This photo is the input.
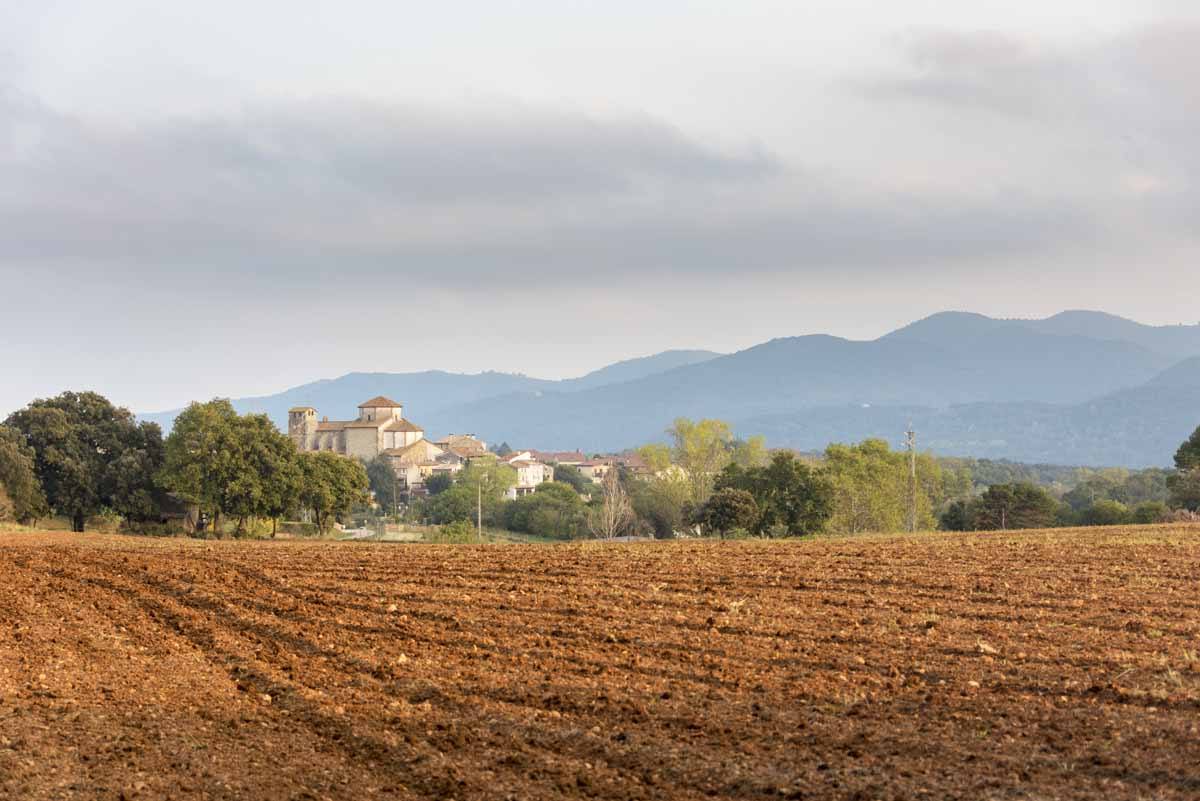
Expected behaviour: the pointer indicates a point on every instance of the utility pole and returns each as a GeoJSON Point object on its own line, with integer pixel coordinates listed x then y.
{"type": "Point", "coordinates": [910, 439]}
{"type": "Point", "coordinates": [479, 510]}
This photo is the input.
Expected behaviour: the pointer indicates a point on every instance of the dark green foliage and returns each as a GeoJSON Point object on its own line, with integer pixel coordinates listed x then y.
{"type": "Point", "coordinates": [382, 479]}
{"type": "Point", "coordinates": [554, 511]}
{"type": "Point", "coordinates": [1014, 506]}
{"type": "Point", "coordinates": [659, 506]}
{"type": "Point", "coordinates": [1188, 455]}
{"type": "Point", "coordinates": [331, 486]}
{"type": "Point", "coordinates": [730, 509]}
{"type": "Point", "coordinates": [90, 455]}
{"type": "Point", "coordinates": [204, 458]}
{"type": "Point", "coordinates": [236, 465]}
{"type": "Point", "coordinates": [959, 516]}
{"type": "Point", "coordinates": [456, 503]}
{"type": "Point", "coordinates": [1151, 512]}
{"type": "Point", "coordinates": [569, 475]}
{"type": "Point", "coordinates": [1121, 486]}
{"type": "Point", "coordinates": [792, 498]}
{"type": "Point", "coordinates": [1185, 490]}
{"type": "Point", "coordinates": [21, 497]}
{"type": "Point", "coordinates": [503, 449]}
{"type": "Point", "coordinates": [438, 483]}
{"type": "Point", "coordinates": [1106, 513]}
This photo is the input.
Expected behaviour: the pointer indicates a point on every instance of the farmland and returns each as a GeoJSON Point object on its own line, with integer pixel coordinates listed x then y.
{"type": "Point", "coordinates": [1034, 665]}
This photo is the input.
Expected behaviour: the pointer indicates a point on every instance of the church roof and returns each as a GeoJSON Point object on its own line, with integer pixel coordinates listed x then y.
{"type": "Point", "coordinates": [380, 402]}
{"type": "Point", "coordinates": [402, 425]}
{"type": "Point", "coordinates": [422, 446]}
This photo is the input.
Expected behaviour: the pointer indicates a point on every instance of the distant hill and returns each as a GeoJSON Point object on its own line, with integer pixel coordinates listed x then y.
{"type": "Point", "coordinates": [1174, 342]}
{"type": "Point", "coordinates": [428, 392]}
{"type": "Point", "coordinates": [633, 369]}
{"type": "Point", "coordinates": [1076, 388]}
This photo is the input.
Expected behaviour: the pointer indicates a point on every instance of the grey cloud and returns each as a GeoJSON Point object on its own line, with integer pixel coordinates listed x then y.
{"type": "Point", "coordinates": [460, 199]}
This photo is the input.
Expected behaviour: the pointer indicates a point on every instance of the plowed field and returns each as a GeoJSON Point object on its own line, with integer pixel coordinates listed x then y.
{"type": "Point", "coordinates": [992, 666]}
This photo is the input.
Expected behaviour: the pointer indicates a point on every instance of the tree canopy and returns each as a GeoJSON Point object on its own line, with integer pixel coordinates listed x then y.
{"type": "Point", "coordinates": [1015, 506]}
{"type": "Point", "coordinates": [792, 498]}
{"type": "Point", "coordinates": [90, 455]}
{"type": "Point", "coordinates": [331, 486]}
{"type": "Point", "coordinates": [1188, 455]}
{"type": "Point", "coordinates": [21, 496]}
{"type": "Point", "coordinates": [701, 449]}
{"type": "Point", "coordinates": [871, 487]}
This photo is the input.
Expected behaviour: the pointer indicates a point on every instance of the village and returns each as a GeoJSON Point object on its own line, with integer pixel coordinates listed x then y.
{"type": "Point", "coordinates": [381, 430]}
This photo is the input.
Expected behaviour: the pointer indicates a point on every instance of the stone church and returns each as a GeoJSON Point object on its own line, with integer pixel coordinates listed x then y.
{"type": "Point", "coordinates": [380, 428]}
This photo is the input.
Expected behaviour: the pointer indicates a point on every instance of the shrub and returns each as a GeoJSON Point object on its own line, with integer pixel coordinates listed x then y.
{"type": "Point", "coordinates": [1107, 513]}
{"type": "Point", "coordinates": [1151, 512]}
{"type": "Point", "coordinates": [460, 531]}
{"type": "Point", "coordinates": [730, 510]}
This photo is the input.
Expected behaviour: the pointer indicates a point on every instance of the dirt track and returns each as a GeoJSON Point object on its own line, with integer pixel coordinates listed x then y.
{"type": "Point", "coordinates": [976, 667]}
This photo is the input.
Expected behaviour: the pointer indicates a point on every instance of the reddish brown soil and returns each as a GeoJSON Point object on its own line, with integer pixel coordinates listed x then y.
{"type": "Point", "coordinates": [1034, 666]}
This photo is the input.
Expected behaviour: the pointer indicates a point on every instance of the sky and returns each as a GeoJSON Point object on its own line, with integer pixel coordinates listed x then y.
{"type": "Point", "coordinates": [239, 197]}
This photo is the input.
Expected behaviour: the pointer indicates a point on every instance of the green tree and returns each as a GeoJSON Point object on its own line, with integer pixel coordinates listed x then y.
{"type": "Point", "coordinates": [204, 458]}
{"type": "Point", "coordinates": [1185, 490]}
{"type": "Point", "coordinates": [1149, 512]}
{"type": "Point", "coordinates": [656, 456]}
{"type": "Point", "coordinates": [331, 485]}
{"type": "Point", "coordinates": [21, 497]}
{"type": "Point", "coordinates": [1107, 513]}
{"type": "Point", "coordinates": [439, 482]}
{"type": "Point", "coordinates": [504, 449]}
{"type": "Point", "coordinates": [1015, 506]}
{"type": "Point", "coordinates": [959, 515]}
{"type": "Point", "coordinates": [268, 483]}
{"type": "Point", "coordinates": [271, 457]}
{"type": "Point", "coordinates": [456, 503]}
{"type": "Point", "coordinates": [230, 464]}
{"type": "Point", "coordinates": [660, 503]}
{"type": "Point", "coordinates": [382, 480]}
{"type": "Point", "coordinates": [570, 476]}
{"type": "Point", "coordinates": [750, 452]}
{"type": "Point", "coordinates": [701, 449]}
{"type": "Point", "coordinates": [480, 486]}
{"type": "Point", "coordinates": [553, 511]}
{"type": "Point", "coordinates": [1188, 455]}
{"type": "Point", "coordinates": [792, 498]}
{"type": "Point", "coordinates": [90, 455]}
{"type": "Point", "coordinates": [729, 509]}
{"type": "Point", "coordinates": [871, 488]}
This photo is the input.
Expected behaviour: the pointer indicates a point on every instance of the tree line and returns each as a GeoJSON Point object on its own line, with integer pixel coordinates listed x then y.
{"type": "Point", "coordinates": [77, 455]}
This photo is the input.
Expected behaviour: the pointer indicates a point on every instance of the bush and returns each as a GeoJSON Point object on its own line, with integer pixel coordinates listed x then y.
{"type": "Point", "coordinates": [1151, 512]}
{"type": "Point", "coordinates": [958, 516]}
{"type": "Point", "coordinates": [438, 483]}
{"type": "Point", "coordinates": [553, 511]}
{"type": "Point", "coordinates": [458, 532]}
{"type": "Point", "coordinates": [730, 510]}
{"type": "Point", "coordinates": [1107, 513]}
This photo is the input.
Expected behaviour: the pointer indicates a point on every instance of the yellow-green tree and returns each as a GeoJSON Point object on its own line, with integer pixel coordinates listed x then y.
{"type": "Point", "coordinates": [701, 449]}
{"type": "Point", "coordinates": [872, 490]}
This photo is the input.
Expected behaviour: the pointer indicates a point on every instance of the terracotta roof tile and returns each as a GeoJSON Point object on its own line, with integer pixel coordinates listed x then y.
{"type": "Point", "coordinates": [380, 402]}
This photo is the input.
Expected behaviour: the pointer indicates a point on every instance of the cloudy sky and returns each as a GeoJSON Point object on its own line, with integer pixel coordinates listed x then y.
{"type": "Point", "coordinates": [245, 196]}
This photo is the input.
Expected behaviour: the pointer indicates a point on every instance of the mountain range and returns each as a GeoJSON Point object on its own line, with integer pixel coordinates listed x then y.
{"type": "Point", "coordinates": [1080, 387]}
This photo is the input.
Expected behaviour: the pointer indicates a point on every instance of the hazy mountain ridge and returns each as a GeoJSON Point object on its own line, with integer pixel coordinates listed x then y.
{"type": "Point", "coordinates": [1039, 390]}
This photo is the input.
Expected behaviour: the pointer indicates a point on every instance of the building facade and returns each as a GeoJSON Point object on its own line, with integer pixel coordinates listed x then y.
{"type": "Point", "coordinates": [380, 427]}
